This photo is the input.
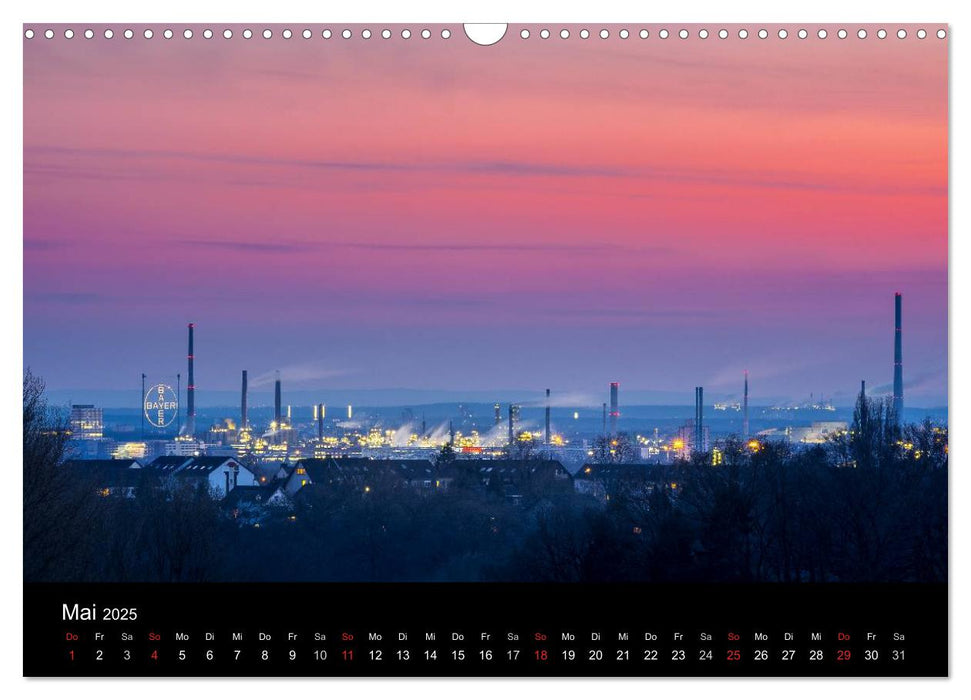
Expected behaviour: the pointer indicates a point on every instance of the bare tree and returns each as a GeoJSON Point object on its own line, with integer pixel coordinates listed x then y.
{"type": "Point", "coordinates": [58, 508]}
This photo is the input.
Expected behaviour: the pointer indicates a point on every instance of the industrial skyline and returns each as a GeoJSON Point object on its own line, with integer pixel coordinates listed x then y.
{"type": "Point", "coordinates": [287, 434]}
{"type": "Point", "coordinates": [658, 226]}
{"type": "Point", "coordinates": [895, 398]}
{"type": "Point", "coordinates": [698, 426]}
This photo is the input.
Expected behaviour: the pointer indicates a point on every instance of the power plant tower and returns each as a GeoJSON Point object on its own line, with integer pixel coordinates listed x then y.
{"type": "Point", "coordinates": [511, 428]}
{"type": "Point", "coordinates": [277, 401]}
{"type": "Point", "coordinates": [243, 418]}
{"type": "Point", "coordinates": [498, 413]}
{"type": "Point", "coordinates": [745, 410]}
{"type": "Point", "coordinates": [320, 422]}
{"type": "Point", "coordinates": [898, 363]}
{"type": "Point", "coordinates": [547, 437]}
{"type": "Point", "coordinates": [699, 419]}
{"type": "Point", "coordinates": [614, 407]}
{"type": "Point", "coordinates": [605, 421]}
{"type": "Point", "coordinates": [190, 416]}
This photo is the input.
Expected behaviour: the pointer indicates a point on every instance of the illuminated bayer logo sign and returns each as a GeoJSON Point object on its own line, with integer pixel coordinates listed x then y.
{"type": "Point", "coordinates": [161, 405]}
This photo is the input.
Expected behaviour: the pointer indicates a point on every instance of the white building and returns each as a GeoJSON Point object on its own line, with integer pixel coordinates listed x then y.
{"type": "Point", "coordinates": [219, 475]}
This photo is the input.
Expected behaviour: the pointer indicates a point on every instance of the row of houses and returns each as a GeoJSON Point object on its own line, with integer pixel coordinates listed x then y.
{"type": "Point", "coordinates": [241, 485]}
{"type": "Point", "coordinates": [123, 477]}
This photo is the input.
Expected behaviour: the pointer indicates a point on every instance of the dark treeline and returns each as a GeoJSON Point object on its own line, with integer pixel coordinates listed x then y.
{"type": "Point", "coordinates": [869, 506]}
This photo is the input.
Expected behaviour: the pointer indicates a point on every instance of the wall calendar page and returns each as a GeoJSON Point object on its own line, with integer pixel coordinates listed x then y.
{"type": "Point", "coordinates": [521, 350]}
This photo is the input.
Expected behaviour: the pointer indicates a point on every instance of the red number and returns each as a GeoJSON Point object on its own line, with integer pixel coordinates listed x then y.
{"type": "Point", "coordinates": [842, 654]}
{"type": "Point", "coordinates": [155, 655]}
{"type": "Point", "coordinates": [541, 655]}
{"type": "Point", "coordinates": [734, 655]}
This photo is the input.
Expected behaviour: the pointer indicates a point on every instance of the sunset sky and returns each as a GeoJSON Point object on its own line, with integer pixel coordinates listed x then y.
{"type": "Point", "coordinates": [434, 214]}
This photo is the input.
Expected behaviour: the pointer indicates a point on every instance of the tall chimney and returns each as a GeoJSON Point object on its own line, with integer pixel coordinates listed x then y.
{"type": "Point", "coordinates": [320, 422]}
{"type": "Point", "coordinates": [745, 410]}
{"type": "Point", "coordinates": [511, 433]}
{"type": "Point", "coordinates": [277, 401]}
{"type": "Point", "coordinates": [605, 420]}
{"type": "Point", "coordinates": [498, 413]}
{"type": "Point", "coordinates": [190, 418]}
{"type": "Point", "coordinates": [898, 363]}
{"type": "Point", "coordinates": [143, 405]}
{"type": "Point", "coordinates": [699, 420]}
{"type": "Point", "coordinates": [864, 413]}
{"type": "Point", "coordinates": [243, 417]}
{"type": "Point", "coordinates": [614, 407]}
{"type": "Point", "coordinates": [547, 416]}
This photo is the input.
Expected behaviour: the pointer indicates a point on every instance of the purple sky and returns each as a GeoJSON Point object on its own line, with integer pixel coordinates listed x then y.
{"type": "Point", "coordinates": [439, 215]}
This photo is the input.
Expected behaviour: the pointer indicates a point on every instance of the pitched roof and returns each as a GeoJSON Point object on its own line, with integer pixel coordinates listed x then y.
{"type": "Point", "coordinates": [107, 472]}
{"type": "Point", "coordinates": [95, 464]}
{"type": "Point", "coordinates": [337, 469]}
{"type": "Point", "coordinates": [203, 466]}
{"type": "Point", "coordinates": [512, 467]}
{"type": "Point", "coordinates": [168, 463]}
{"type": "Point", "coordinates": [269, 472]}
{"type": "Point", "coordinates": [212, 462]}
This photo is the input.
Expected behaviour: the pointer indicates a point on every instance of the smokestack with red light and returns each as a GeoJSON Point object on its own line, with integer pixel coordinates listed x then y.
{"type": "Point", "coordinates": [898, 362]}
{"type": "Point", "coordinates": [190, 418]}
{"type": "Point", "coordinates": [861, 406]}
{"type": "Point", "coordinates": [614, 406]}
{"type": "Point", "coordinates": [277, 401]}
{"type": "Point", "coordinates": [320, 422]}
{"type": "Point", "coordinates": [243, 422]}
{"type": "Point", "coordinates": [547, 416]}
